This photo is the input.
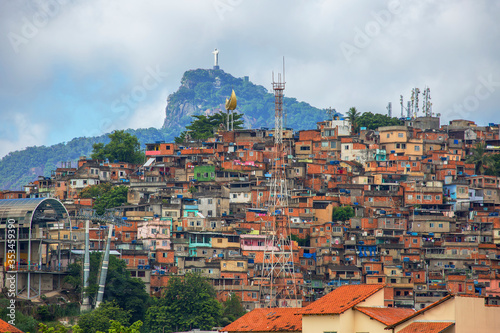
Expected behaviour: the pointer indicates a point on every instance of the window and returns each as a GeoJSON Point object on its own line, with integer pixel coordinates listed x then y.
{"type": "Point", "coordinates": [415, 241]}
{"type": "Point", "coordinates": [427, 197]}
{"type": "Point", "coordinates": [440, 225]}
{"type": "Point", "coordinates": [324, 144]}
{"type": "Point", "coordinates": [305, 148]}
{"type": "Point", "coordinates": [388, 135]}
{"type": "Point", "coordinates": [141, 274]}
{"type": "Point", "coordinates": [401, 135]}
{"type": "Point", "coordinates": [141, 262]}
{"type": "Point", "coordinates": [438, 197]}
{"type": "Point", "coordinates": [419, 197]}
{"type": "Point", "coordinates": [333, 144]}
{"type": "Point", "coordinates": [239, 264]}
{"type": "Point", "coordinates": [410, 196]}
{"type": "Point", "coordinates": [417, 148]}
{"type": "Point", "coordinates": [346, 147]}
{"type": "Point", "coordinates": [431, 225]}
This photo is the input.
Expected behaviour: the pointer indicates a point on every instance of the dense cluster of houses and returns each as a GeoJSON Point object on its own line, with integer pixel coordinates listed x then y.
{"type": "Point", "coordinates": [425, 225]}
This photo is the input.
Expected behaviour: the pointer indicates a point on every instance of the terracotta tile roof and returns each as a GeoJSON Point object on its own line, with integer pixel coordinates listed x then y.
{"type": "Point", "coordinates": [426, 327]}
{"type": "Point", "coordinates": [386, 316]}
{"type": "Point", "coordinates": [6, 327]}
{"type": "Point", "coordinates": [342, 299]}
{"type": "Point", "coordinates": [268, 320]}
{"type": "Point", "coordinates": [442, 300]}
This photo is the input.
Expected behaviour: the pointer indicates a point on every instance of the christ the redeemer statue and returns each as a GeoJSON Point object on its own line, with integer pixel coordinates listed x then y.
{"type": "Point", "coordinates": [216, 59]}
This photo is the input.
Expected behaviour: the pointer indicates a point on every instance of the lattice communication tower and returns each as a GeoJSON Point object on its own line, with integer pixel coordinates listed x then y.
{"type": "Point", "coordinates": [278, 286]}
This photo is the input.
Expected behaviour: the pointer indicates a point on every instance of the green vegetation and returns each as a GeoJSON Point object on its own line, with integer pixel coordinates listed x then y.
{"type": "Point", "coordinates": [23, 322]}
{"type": "Point", "coordinates": [353, 116]}
{"type": "Point", "coordinates": [128, 293]}
{"type": "Point", "coordinates": [480, 158]}
{"type": "Point", "coordinates": [122, 147]}
{"type": "Point", "coordinates": [18, 168]}
{"type": "Point", "coordinates": [200, 89]}
{"type": "Point", "coordinates": [301, 241]}
{"type": "Point", "coordinates": [375, 120]}
{"type": "Point", "coordinates": [343, 213]}
{"type": "Point", "coordinates": [187, 303]}
{"type": "Point", "coordinates": [114, 326]}
{"type": "Point", "coordinates": [232, 309]}
{"type": "Point", "coordinates": [106, 195]}
{"type": "Point", "coordinates": [493, 165]}
{"type": "Point", "coordinates": [100, 318]}
{"type": "Point", "coordinates": [202, 127]}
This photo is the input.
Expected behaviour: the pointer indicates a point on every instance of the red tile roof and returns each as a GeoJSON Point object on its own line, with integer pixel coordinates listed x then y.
{"type": "Point", "coordinates": [433, 305]}
{"type": "Point", "coordinates": [426, 327]}
{"type": "Point", "coordinates": [6, 327]}
{"type": "Point", "coordinates": [268, 320]}
{"type": "Point", "coordinates": [342, 299]}
{"type": "Point", "coordinates": [386, 316]}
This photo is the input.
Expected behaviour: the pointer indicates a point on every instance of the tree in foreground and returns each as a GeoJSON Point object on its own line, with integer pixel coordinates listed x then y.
{"type": "Point", "coordinates": [124, 291]}
{"type": "Point", "coordinates": [232, 309]}
{"type": "Point", "coordinates": [99, 319]}
{"type": "Point", "coordinates": [123, 147]}
{"type": "Point", "coordinates": [187, 303]}
{"type": "Point", "coordinates": [115, 326]}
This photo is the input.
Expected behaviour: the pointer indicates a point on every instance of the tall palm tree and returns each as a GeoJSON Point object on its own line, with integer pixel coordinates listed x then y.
{"type": "Point", "coordinates": [479, 158]}
{"type": "Point", "coordinates": [353, 116]}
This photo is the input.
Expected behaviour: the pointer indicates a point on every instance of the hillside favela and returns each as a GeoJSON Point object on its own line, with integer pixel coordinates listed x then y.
{"type": "Point", "coordinates": [162, 170]}
{"type": "Point", "coordinates": [364, 223]}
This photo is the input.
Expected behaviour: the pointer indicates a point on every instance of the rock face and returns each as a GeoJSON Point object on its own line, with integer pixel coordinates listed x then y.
{"type": "Point", "coordinates": [204, 91]}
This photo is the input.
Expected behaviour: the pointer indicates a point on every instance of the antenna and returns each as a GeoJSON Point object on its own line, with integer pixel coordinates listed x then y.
{"type": "Point", "coordinates": [402, 107]}
{"type": "Point", "coordinates": [389, 110]}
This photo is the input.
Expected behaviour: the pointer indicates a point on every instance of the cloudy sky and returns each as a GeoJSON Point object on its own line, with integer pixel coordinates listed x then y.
{"type": "Point", "coordinates": [73, 68]}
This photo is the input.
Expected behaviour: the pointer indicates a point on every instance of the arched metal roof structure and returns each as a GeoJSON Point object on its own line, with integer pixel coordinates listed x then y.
{"type": "Point", "coordinates": [34, 210]}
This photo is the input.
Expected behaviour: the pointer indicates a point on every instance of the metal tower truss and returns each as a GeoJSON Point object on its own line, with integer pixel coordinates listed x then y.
{"type": "Point", "coordinates": [278, 287]}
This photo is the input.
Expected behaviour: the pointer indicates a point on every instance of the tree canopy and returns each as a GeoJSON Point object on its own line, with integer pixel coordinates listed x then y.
{"type": "Point", "coordinates": [342, 213]}
{"type": "Point", "coordinates": [232, 309]}
{"type": "Point", "coordinates": [480, 158]}
{"type": "Point", "coordinates": [375, 120]}
{"type": "Point", "coordinates": [99, 319]}
{"type": "Point", "coordinates": [353, 116]}
{"type": "Point", "coordinates": [123, 147]}
{"type": "Point", "coordinates": [202, 127]}
{"type": "Point", "coordinates": [128, 293]}
{"type": "Point", "coordinates": [187, 303]}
